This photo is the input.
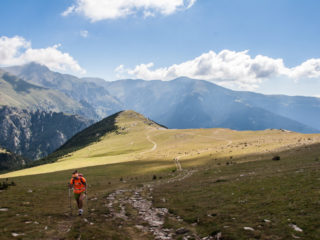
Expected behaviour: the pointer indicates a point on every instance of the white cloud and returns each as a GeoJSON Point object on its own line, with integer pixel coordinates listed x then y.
{"type": "Point", "coordinates": [68, 11]}
{"type": "Point", "coordinates": [228, 68]}
{"type": "Point", "coordinates": [308, 69]}
{"type": "Point", "coordinates": [17, 51]}
{"type": "Point", "coordinates": [84, 33]}
{"type": "Point", "coordinates": [97, 10]}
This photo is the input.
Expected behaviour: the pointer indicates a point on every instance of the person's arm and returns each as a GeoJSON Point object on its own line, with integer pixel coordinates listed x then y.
{"type": "Point", "coordinates": [85, 183]}
{"type": "Point", "coordinates": [71, 183]}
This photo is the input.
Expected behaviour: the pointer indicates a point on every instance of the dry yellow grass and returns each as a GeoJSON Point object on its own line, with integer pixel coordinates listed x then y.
{"type": "Point", "coordinates": [137, 139]}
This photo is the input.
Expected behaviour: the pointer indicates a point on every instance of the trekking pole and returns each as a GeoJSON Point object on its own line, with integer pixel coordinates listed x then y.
{"type": "Point", "coordinates": [87, 198]}
{"type": "Point", "coordinates": [70, 205]}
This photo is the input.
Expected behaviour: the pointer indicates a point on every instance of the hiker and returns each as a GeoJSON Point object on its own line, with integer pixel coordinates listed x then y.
{"type": "Point", "coordinates": [79, 185]}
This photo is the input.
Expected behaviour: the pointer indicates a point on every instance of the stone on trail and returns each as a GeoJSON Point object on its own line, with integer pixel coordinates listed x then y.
{"type": "Point", "coordinates": [296, 228]}
{"type": "Point", "coordinates": [17, 234]}
{"type": "Point", "coordinates": [182, 231]}
{"type": "Point", "coordinates": [248, 228]}
{"type": "Point", "coordinates": [140, 227]}
{"type": "Point", "coordinates": [266, 220]}
{"type": "Point", "coordinates": [4, 209]}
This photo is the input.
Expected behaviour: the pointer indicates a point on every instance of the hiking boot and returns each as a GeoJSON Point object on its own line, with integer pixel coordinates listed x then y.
{"type": "Point", "coordinates": [80, 212]}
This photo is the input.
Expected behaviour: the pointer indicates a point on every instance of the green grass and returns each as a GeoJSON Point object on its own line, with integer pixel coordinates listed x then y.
{"type": "Point", "coordinates": [227, 198]}
{"type": "Point", "coordinates": [236, 183]}
{"type": "Point", "coordinates": [48, 202]}
{"type": "Point", "coordinates": [235, 195]}
{"type": "Point", "coordinates": [123, 137]}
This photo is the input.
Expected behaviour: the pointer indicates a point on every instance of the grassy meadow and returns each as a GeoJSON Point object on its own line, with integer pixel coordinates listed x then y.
{"type": "Point", "coordinates": [233, 183]}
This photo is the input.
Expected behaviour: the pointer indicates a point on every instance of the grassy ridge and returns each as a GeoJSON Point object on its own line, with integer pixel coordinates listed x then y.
{"type": "Point", "coordinates": [235, 183]}
{"type": "Point", "coordinates": [128, 136]}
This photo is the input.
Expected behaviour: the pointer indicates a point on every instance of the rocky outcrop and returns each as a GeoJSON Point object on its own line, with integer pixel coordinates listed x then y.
{"type": "Point", "coordinates": [36, 134]}
{"type": "Point", "coordinates": [9, 160]}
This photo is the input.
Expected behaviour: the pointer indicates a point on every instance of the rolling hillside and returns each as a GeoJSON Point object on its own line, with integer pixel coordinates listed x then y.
{"type": "Point", "coordinates": [149, 182]}
{"type": "Point", "coordinates": [129, 136]}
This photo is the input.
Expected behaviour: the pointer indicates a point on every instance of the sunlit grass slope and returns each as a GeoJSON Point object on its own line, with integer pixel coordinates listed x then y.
{"type": "Point", "coordinates": [129, 136]}
{"type": "Point", "coordinates": [233, 183]}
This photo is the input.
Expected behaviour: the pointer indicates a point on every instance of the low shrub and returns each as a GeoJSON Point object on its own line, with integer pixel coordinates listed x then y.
{"type": "Point", "coordinates": [276, 158]}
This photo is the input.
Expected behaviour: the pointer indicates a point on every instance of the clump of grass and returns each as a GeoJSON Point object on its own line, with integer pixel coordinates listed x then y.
{"type": "Point", "coordinates": [5, 185]}
{"type": "Point", "coordinates": [276, 158]}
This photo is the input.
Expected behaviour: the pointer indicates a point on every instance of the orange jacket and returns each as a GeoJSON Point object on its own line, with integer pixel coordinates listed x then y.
{"type": "Point", "coordinates": [78, 184]}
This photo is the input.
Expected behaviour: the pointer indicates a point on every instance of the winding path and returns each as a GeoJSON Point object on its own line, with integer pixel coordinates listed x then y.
{"type": "Point", "coordinates": [154, 147]}
{"type": "Point", "coordinates": [177, 162]}
{"type": "Point", "coordinates": [154, 144]}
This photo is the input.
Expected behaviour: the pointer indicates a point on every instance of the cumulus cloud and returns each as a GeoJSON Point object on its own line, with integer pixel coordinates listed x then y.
{"type": "Point", "coordinates": [308, 69]}
{"type": "Point", "coordinates": [17, 51]}
{"type": "Point", "coordinates": [84, 33]}
{"type": "Point", "coordinates": [97, 10]}
{"type": "Point", "coordinates": [228, 68]}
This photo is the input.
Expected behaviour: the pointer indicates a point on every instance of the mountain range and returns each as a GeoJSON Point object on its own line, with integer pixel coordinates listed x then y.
{"type": "Point", "coordinates": [89, 94]}
{"type": "Point", "coordinates": [180, 103]}
{"type": "Point", "coordinates": [16, 92]}
{"type": "Point", "coordinates": [189, 103]}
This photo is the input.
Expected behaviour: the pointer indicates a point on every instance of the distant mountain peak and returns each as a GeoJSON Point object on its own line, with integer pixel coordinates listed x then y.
{"type": "Point", "coordinates": [34, 66]}
{"type": "Point", "coordinates": [183, 78]}
{"type": "Point", "coordinates": [121, 122]}
{"type": "Point", "coordinates": [126, 116]}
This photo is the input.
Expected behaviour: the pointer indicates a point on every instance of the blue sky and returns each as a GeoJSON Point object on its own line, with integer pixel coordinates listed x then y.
{"type": "Point", "coordinates": [206, 39]}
